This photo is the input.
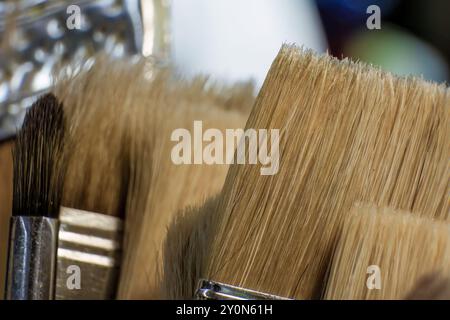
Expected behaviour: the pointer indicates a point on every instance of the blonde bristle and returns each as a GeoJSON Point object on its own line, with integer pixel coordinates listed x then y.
{"type": "Point", "coordinates": [98, 106]}
{"type": "Point", "coordinates": [164, 187]}
{"type": "Point", "coordinates": [348, 132]}
{"type": "Point", "coordinates": [121, 116]}
{"type": "Point", "coordinates": [402, 247]}
{"type": "Point", "coordinates": [185, 249]}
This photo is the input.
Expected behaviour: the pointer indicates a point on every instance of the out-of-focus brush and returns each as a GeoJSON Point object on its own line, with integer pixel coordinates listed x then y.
{"type": "Point", "coordinates": [186, 248]}
{"type": "Point", "coordinates": [37, 190]}
{"type": "Point", "coordinates": [122, 115]}
{"type": "Point", "coordinates": [162, 187]}
{"type": "Point", "coordinates": [89, 249]}
{"type": "Point", "coordinates": [96, 184]}
{"type": "Point", "coordinates": [382, 253]}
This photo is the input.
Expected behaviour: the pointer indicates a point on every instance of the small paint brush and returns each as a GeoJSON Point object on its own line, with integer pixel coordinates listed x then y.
{"type": "Point", "coordinates": [37, 189]}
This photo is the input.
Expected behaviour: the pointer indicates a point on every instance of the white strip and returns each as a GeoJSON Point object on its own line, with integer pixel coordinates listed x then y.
{"type": "Point", "coordinates": [89, 241]}
{"type": "Point", "coordinates": [86, 219]}
{"type": "Point", "coordinates": [86, 257]}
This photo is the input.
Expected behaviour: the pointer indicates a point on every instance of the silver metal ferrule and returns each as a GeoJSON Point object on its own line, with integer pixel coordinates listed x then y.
{"type": "Point", "coordinates": [89, 251]}
{"type": "Point", "coordinates": [210, 290]}
{"type": "Point", "coordinates": [31, 258]}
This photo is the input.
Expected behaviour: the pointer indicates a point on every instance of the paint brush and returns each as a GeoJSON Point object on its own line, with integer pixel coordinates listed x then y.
{"type": "Point", "coordinates": [185, 249]}
{"type": "Point", "coordinates": [37, 189]}
{"type": "Point", "coordinates": [161, 185]}
{"type": "Point", "coordinates": [348, 132]}
{"type": "Point", "coordinates": [96, 184]}
{"type": "Point", "coordinates": [122, 116]}
{"type": "Point", "coordinates": [382, 253]}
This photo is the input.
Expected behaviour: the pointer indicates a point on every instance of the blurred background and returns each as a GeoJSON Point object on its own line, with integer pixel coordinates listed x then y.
{"type": "Point", "coordinates": [414, 37]}
{"type": "Point", "coordinates": [232, 37]}
{"type": "Point", "coordinates": [230, 40]}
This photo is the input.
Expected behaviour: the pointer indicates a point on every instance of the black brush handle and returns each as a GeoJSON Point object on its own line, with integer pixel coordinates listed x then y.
{"type": "Point", "coordinates": [32, 258]}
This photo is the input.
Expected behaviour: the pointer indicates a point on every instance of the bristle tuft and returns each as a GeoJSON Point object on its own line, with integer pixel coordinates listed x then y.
{"type": "Point", "coordinates": [121, 120]}
{"type": "Point", "coordinates": [185, 249]}
{"type": "Point", "coordinates": [348, 132]}
{"type": "Point", "coordinates": [38, 163]}
{"type": "Point", "coordinates": [395, 247]}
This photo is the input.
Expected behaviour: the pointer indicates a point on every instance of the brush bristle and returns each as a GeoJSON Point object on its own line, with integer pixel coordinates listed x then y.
{"type": "Point", "coordinates": [348, 132]}
{"type": "Point", "coordinates": [38, 162]}
{"type": "Point", "coordinates": [185, 249]}
{"type": "Point", "coordinates": [162, 187]}
{"type": "Point", "coordinates": [401, 246]}
{"type": "Point", "coordinates": [120, 161]}
{"type": "Point", "coordinates": [97, 116]}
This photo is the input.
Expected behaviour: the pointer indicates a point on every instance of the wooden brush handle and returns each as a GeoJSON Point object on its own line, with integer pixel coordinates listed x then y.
{"type": "Point", "coordinates": [5, 205]}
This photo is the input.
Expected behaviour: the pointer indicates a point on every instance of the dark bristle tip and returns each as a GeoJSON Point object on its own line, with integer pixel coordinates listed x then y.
{"type": "Point", "coordinates": [38, 159]}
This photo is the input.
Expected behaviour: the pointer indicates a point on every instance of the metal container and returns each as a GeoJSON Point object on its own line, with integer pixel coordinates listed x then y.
{"type": "Point", "coordinates": [39, 37]}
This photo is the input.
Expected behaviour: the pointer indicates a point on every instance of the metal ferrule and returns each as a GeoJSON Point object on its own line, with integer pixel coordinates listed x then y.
{"type": "Point", "coordinates": [210, 290]}
{"type": "Point", "coordinates": [32, 258]}
{"type": "Point", "coordinates": [89, 252]}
